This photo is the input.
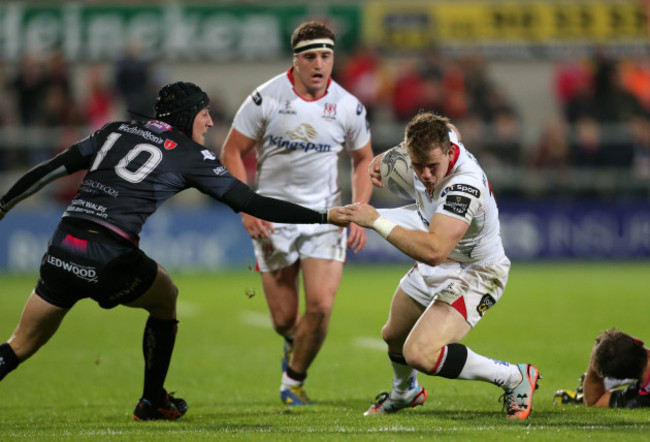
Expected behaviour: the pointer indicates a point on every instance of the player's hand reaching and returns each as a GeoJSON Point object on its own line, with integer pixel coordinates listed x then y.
{"type": "Point", "coordinates": [375, 172]}
{"type": "Point", "coordinates": [359, 213]}
{"type": "Point", "coordinates": [334, 217]}
{"type": "Point", "coordinates": [257, 228]}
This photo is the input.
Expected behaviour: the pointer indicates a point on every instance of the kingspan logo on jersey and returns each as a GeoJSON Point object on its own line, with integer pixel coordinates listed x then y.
{"type": "Point", "coordinates": [299, 139]}
{"type": "Point", "coordinates": [83, 272]}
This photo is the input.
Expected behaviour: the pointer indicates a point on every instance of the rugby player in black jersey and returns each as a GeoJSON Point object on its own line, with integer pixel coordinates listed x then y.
{"type": "Point", "coordinates": [132, 168]}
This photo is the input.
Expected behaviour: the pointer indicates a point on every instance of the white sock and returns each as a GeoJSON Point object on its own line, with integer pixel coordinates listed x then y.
{"type": "Point", "coordinates": [480, 368]}
{"type": "Point", "coordinates": [288, 382]}
{"type": "Point", "coordinates": [405, 380]}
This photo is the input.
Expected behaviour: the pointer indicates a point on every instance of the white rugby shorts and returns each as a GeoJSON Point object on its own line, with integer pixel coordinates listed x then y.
{"type": "Point", "coordinates": [470, 288]}
{"type": "Point", "coordinates": [291, 242]}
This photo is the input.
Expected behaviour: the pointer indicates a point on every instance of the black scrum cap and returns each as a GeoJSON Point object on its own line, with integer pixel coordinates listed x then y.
{"type": "Point", "coordinates": [178, 103]}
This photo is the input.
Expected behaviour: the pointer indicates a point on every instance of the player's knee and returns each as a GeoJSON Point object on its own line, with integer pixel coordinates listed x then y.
{"type": "Point", "coordinates": [394, 338]}
{"type": "Point", "coordinates": [172, 296]}
{"type": "Point", "coordinates": [420, 356]}
{"type": "Point", "coordinates": [284, 325]}
{"type": "Point", "coordinates": [318, 312]}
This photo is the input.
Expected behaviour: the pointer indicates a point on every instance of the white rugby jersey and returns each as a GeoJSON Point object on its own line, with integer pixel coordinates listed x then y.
{"type": "Point", "coordinates": [299, 141]}
{"type": "Point", "coordinates": [465, 194]}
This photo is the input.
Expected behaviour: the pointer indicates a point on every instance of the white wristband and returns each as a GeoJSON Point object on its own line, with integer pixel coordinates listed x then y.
{"type": "Point", "coordinates": [383, 226]}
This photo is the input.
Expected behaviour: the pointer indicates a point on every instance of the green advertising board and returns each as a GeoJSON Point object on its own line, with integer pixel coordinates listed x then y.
{"type": "Point", "coordinates": [171, 31]}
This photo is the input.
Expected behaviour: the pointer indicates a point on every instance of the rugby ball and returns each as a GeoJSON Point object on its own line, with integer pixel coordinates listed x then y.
{"type": "Point", "coordinates": [396, 172]}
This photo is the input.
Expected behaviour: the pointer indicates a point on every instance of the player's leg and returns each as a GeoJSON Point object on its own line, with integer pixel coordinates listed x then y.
{"type": "Point", "coordinates": [406, 391]}
{"type": "Point", "coordinates": [433, 346]}
{"type": "Point", "coordinates": [38, 322]}
{"type": "Point", "coordinates": [321, 278]}
{"type": "Point", "coordinates": [281, 291]}
{"type": "Point", "coordinates": [322, 253]}
{"type": "Point", "coordinates": [157, 348]}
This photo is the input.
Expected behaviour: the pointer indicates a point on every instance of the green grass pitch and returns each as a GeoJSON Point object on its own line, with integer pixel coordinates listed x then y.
{"type": "Point", "coordinates": [84, 383]}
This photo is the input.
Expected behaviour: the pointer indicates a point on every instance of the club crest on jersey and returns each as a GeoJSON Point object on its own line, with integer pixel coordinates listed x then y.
{"type": "Point", "coordinates": [169, 144]}
{"type": "Point", "coordinates": [207, 155]}
{"type": "Point", "coordinates": [288, 110]}
{"type": "Point", "coordinates": [329, 111]}
{"type": "Point", "coordinates": [487, 301]}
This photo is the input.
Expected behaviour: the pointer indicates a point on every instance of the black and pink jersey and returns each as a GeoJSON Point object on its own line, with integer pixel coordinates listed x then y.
{"type": "Point", "coordinates": [133, 167]}
{"type": "Point", "coordinates": [634, 396]}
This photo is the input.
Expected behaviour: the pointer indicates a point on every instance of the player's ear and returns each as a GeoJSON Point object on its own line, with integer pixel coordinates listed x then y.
{"type": "Point", "coordinates": [452, 150]}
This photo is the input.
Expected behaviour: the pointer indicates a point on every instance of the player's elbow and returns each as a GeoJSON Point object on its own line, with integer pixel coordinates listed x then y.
{"type": "Point", "coordinates": [594, 400]}
{"type": "Point", "coordinates": [433, 258]}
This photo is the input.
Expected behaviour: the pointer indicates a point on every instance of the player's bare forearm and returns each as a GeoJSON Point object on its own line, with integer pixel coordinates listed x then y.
{"type": "Point", "coordinates": [595, 393]}
{"type": "Point", "coordinates": [374, 171]}
{"type": "Point", "coordinates": [432, 247]}
{"type": "Point", "coordinates": [233, 151]}
{"type": "Point", "coordinates": [361, 184]}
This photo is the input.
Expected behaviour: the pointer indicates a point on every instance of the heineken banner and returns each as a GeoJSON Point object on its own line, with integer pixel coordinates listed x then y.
{"type": "Point", "coordinates": [169, 31]}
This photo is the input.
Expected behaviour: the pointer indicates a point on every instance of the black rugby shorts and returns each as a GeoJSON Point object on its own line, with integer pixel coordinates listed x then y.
{"type": "Point", "coordinates": [82, 263]}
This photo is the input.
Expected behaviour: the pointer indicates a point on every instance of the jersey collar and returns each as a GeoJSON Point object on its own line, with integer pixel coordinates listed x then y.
{"type": "Point", "coordinates": [453, 161]}
{"type": "Point", "coordinates": [290, 77]}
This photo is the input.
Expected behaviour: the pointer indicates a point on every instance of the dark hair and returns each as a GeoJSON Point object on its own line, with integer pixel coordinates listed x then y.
{"type": "Point", "coordinates": [311, 30]}
{"type": "Point", "coordinates": [178, 103]}
{"type": "Point", "coordinates": [427, 131]}
{"type": "Point", "coordinates": [618, 355]}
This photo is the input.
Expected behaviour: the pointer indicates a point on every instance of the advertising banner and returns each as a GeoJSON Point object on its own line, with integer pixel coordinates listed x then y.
{"type": "Point", "coordinates": [213, 238]}
{"type": "Point", "coordinates": [507, 27]}
{"type": "Point", "coordinates": [170, 31]}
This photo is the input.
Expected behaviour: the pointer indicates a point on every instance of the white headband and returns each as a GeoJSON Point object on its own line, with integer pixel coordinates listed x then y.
{"type": "Point", "coordinates": [317, 44]}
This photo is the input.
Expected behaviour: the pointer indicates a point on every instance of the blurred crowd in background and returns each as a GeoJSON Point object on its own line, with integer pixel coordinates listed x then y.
{"type": "Point", "coordinates": [604, 103]}
{"type": "Point", "coordinates": [603, 122]}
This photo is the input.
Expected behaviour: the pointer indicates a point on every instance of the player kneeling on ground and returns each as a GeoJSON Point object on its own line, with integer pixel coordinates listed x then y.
{"type": "Point", "coordinates": [132, 168]}
{"type": "Point", "coordinates": [452, 231]}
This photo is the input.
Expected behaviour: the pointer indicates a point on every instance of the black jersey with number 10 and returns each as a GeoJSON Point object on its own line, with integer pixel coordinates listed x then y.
{"type": "Point", "coordinates": [133, 167]}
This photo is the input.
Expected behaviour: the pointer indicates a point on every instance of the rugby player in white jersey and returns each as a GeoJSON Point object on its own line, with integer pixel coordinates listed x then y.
{"type": "Point", "coordinates": [299, 123]}
{"type": "Point", "coordinates": [452, 231]}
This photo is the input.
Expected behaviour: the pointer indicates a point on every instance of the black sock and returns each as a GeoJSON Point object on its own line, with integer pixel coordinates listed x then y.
{"type": "Point", "coordinates": [8, 360]}
{"type": "Point", "coordinates": [157, 346]}
{"type": "Point", "coordinates": [300, 377]}
{"type": "Point", "coordinates": [454, 362]}
{"type": "Point", "coordinates": [399, 359]}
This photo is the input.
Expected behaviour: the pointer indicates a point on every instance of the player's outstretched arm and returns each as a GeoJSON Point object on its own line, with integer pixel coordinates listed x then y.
{"type": "Point", "coordinates": [241, 198]}
{"type": "Point", "coordinates": [35, 179]}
